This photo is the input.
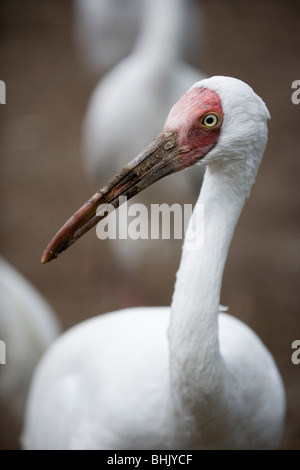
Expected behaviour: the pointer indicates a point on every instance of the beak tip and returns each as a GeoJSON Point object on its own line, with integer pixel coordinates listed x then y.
{"type": "Point", "coordinates": [44, 259]}
{"type": "Point", "coordinates": [47, 257]}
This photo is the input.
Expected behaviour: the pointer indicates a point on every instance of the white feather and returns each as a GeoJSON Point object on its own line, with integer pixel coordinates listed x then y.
{"type": "Point", "coordinates": [105, 30]}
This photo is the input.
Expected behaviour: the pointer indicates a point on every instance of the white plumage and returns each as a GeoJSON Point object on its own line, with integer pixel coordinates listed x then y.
{"type": "Point", "coordinates": [28, 326]}
{"type": "Point", "coordinates": [188, 376]}
{"type": "Point", "coordinates": [105, 30]}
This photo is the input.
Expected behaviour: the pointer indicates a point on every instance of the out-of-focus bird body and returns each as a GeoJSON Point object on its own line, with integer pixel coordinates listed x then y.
{"type": "Point", "coordinates": [151, 78]}
{"type": "Point", "coordinates": [28, 326]}
{"type": "Point", "coordinates": [105, 31]}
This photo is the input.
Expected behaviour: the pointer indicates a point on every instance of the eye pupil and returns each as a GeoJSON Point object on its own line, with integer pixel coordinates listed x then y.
{"type": "Point", "coordinates": [210, 120]}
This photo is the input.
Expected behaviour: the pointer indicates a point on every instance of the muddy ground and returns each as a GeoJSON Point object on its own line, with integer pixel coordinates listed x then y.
{"type": "Point", "coordinates": [42, 181]}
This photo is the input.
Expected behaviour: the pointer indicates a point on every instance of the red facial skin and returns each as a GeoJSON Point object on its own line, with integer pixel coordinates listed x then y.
{"type": "Point", "coordinates": [186, 117]}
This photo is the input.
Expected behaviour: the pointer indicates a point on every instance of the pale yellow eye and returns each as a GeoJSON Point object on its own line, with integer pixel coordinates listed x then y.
{"type": "Point", "coordinates": [210, 120]}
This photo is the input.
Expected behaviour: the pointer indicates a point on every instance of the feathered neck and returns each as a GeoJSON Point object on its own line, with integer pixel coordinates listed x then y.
{"type": "Point", "coordinates": [195, 360]}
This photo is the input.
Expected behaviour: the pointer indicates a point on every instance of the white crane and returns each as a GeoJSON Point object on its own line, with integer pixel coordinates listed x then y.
{"type": "Point", "coordinates": [28, 326]}
{"type": "Point", "coordinates": [151, 78]}
{"type": "Point", "coordinates": [179, 377]}
{"type": "Point", "coordinates": [105, 31]}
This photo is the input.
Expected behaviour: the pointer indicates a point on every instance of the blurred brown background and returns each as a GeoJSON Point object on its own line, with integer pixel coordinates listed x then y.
{"type": "Point", "coordinates": [42, 181]}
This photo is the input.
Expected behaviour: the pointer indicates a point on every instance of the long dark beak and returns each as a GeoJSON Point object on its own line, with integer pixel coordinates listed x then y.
{"type": "Point", "coordinates": [161, 158]}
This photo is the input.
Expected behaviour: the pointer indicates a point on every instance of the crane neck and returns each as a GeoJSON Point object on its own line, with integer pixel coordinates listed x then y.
{"type": "Point", "coordinates": [161, 30]}
{"type": "Point", "coordinates": [195, 360]}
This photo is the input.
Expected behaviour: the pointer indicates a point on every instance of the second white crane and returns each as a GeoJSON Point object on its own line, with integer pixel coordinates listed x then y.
{"type": "Point", "coordinates": [135, 98]}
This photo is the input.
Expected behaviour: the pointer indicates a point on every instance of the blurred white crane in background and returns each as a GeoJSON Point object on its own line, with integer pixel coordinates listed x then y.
{"type": "Point", "coordinates": [28, 325]}
{"type": "Point", "coordinates": [105, 31]}
{"type": "Point", "coordinates": [127, 109]}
